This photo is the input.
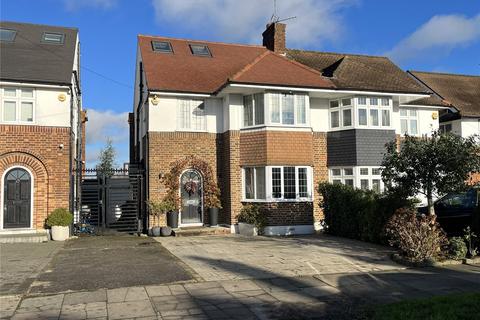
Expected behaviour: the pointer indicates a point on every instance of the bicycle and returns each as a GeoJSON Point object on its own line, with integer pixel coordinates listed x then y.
{"type": "Point", "coordinates": [84, 226]}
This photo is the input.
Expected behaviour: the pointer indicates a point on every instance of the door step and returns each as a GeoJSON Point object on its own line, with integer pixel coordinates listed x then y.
{"type": "Point", "coordinates": [34, 237]}
{"type": "Point", "coordinates": [200, 231]}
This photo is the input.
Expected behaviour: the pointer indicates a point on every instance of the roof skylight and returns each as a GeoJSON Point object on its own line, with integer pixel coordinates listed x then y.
{"type": "Point", "coordinates": [162, 46]}
{"type": "Point", "coordinates": [7, 34]}
{"type": "Point", "coordinates": [200, 50]}
{"type": "Point", "coordinates": [54, 38]}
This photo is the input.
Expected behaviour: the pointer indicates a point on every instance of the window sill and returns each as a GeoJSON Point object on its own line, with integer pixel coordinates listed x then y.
{"type": "Point", "coordinates": [276, 126]}
{"type": "Point", "coordinates": [276, 200]}
{"type": "Point", "coordinates": [27, 123]}
{"type": "Point", "coordinates": [191, 130]}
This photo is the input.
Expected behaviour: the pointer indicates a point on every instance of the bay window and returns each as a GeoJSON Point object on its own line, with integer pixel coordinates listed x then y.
{"type": "Point", "coordinates": [254, 183]}
{"type": "Point", "coordinates": [365, 178]}
{"type": "Point", "coordinates": [253, 110]}
{"type": "Point", "coordinates": [275, 109]}
{"type": "Point", "coordinates": [360, 112]}
{"type": "Point", "coordinates": [277, 183]}
{"type": "Point", "coordinates": [17, 105]}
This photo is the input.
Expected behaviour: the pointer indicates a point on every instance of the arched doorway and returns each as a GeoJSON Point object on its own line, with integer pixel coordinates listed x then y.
{"type": "Point", "coordinates": [191, 193]}
{"type": "Point", "coordinates": [17, 199]}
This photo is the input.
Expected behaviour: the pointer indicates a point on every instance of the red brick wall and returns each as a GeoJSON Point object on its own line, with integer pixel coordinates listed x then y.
{"type": "Point", "coordinates": [37, 148]}
{"type": "Point", "coordinates": [226, 153]}
{"type": "Point", "coordinates": [166, 147]}
{"type": "Point", "coordinates": [276, 148]}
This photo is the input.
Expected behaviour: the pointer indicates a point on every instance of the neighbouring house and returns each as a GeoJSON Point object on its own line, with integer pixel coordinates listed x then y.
{"type": "Point", "coordinates": [461, 93]}
{"type": "Point", "coordinates": [42, 126]}
{"type": "Point", "coordinates": [270, 122]}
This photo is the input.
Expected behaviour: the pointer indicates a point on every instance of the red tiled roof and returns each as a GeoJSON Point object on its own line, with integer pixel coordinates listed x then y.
{"type": "Point", "coordinates": [184, 72]}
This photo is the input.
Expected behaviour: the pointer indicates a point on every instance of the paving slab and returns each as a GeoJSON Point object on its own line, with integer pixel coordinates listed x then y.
{"type": "Point", "coordinates": [130, 309]}
{"type": "Point", "coordinates": [234, 257]}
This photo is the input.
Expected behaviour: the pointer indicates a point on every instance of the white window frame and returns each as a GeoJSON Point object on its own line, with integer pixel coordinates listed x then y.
{"type": "Point", "coordinates": [268, 98]}
{"type": "Point", "coordinates": [408, 118]}
{"type": "Point", "coordinates": [254, 108]}
{"type": "Point", "coordinates": [357, 176]}
{"type": "Point", "coordinates": [192, 106]}
{"type": "Point", "coordinates": [244, 194]}
{"type": "Point", "coordinates": [355, 108]}
{"type": "Point", "coordinates": [269, 186]}
{"type": "Point", "coordinates": [18, 99]}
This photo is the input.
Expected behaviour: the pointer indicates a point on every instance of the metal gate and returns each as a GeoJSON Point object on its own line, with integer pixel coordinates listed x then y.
{"type": "Point", "coordinates": [112, 201]}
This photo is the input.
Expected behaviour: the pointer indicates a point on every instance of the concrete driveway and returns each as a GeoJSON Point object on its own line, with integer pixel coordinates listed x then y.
{"type": "Point", "coordinates": [235, 257]}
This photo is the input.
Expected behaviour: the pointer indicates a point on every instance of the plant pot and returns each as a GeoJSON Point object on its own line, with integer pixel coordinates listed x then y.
{"type": "Point", "coordinates": [246, 229]}
{"type": "Point", "coordinates": [60, 233]}
{"type": "Point", "coordinates": [166, 231]}
{"type": "Point", "coordinates": [172, 219]}
{"type": "Point", "coordinates": [156, 231]}
{"type": "Point", "coordinates": [213, 216]}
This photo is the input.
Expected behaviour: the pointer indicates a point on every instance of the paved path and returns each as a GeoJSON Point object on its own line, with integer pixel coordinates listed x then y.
{"type": "Point", "coordinates": [236, 257]}
{"type": "Point", "coordinates": [332, 296]}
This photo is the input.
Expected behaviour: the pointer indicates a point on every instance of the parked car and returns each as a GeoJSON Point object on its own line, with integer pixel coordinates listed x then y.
{"type": "Point", "coordinates": [456, 211]}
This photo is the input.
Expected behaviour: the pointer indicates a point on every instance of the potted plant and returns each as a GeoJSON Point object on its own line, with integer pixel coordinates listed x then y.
{"type": "Point", "coordinates": [157, 209]}
{"type": "Point", "coordinates": [251, 220]}
{"type": "Point", "coordinates": [59, 221]}
{"type": "Point", "coordinates": [212, 202]}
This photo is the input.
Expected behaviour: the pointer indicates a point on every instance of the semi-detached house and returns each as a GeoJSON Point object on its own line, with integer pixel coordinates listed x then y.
{"type": "Point", "coordinates": [271, 123]}
{"type": "Point", "coordinates": [41, 124]}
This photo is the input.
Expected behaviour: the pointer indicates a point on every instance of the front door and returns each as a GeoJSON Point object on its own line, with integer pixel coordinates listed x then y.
{"type": "Point", "coordinates": [17, 199]}
{"type": "Point", "coordinates": [191, 196]}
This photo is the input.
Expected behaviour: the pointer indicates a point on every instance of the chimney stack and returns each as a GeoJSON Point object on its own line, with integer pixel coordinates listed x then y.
{"type": "Point", "coordinates": [274, 37]}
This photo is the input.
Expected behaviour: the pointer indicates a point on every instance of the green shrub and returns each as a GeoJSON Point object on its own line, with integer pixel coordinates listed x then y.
{"type": "Point", "coordinates": [457, 249]}
{"type": "Point", "coordinates": [358, 214]}
{"type": "Point", "coordinates": [60, 217]}
{"type": "Point", "coordinates": [419, 238]}
{"type": "Point", "coordinates": [252, 214]}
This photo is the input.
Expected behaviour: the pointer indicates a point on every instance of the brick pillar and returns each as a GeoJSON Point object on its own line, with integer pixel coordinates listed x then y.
{"type": "Point", "coordinates": [320, 171]}
{"type": "Point", "coordinates": [232, 181]}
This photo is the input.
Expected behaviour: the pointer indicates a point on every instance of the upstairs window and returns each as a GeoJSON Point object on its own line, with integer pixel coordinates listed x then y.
{"type": "Point", "coordinates": [409, 121]}
{"type": "Point", "coordinates": [360, 112]}
{"type": "Point", "coordinates": [201, 50]}
{"type": "Point", "coordinates": [17, 105]}
{"type": "Point", "coordinates": [253, 110]}
{"type": "Point", "coordinates": [53, 38]}
{"type": "Point", "coordinates": [162, 46]}
{"type": "Point", "coordinates": [288, 109]}
{"type": "Point", "coordinates": [7, 35]}
{"type": "Point", "coordinates": [191, 115]}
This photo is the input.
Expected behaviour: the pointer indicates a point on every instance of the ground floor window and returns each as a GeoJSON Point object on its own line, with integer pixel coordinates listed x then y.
{"type": "Point", "coordinates": [277, 183]}
{"type": "Point", "coordinates": [362, 177]}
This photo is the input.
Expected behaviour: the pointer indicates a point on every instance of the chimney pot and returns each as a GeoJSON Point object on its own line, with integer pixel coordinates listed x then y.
{"type": "Point", "coordinates": [274, 37]}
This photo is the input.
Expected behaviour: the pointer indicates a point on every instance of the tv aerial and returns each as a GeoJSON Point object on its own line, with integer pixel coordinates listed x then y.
{"type": "Point", "coordinates": [275, 18]}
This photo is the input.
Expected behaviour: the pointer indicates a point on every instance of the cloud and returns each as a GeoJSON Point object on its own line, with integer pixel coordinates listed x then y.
{"type": "Point", "coordinates": [106, 123]}
{"type": "Point", "coordinates": [232, 20]}
{"type": "Point", "coordinates": [74, 5]}
{"type": "Point", "coordinates": [441, 34]}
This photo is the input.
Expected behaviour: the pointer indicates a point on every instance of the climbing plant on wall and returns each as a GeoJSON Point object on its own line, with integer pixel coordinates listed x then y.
{"type": "Point", "coordinates": [171, 180]}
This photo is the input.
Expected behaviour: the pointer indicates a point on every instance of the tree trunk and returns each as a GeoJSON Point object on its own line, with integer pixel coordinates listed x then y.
{"type": "Point", "coordinates": [431, 208]}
